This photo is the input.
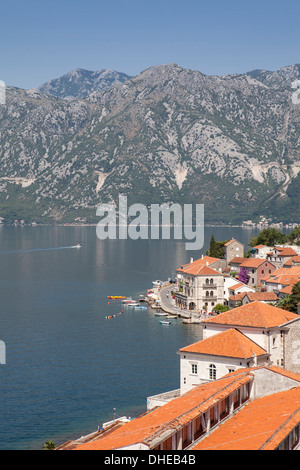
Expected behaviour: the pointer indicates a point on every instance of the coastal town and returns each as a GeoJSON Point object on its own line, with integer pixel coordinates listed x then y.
{"type": "Point", "coordinates": [240, 383]}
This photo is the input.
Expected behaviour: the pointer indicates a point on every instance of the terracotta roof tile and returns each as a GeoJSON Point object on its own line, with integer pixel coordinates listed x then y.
{"type": "Point", "coordinates": [254, 263]}
{"type": "Point", "coordinates": [288, 252]}
{"type": "Point", "coordinates": [229, 343]}
{"type": "Point", "coordinates": [238, 260]}
{"type": "Point", "coordinates": [199, 270]}
{"type": "Point", "coordinates": [262, 296]}
{"type": "Point", "coordinates": [231, 241]}
{"type": "Point", "coordinates": [255, 314]}
{"type": "Point", "coordinates": [146, 428]}
{"type": "Point", "coordinates": [261, 425]}
{"type": "Point", "coordinates": [237, 286]}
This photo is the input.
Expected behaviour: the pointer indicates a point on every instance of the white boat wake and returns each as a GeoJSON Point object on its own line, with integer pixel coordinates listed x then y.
{"type": "Point", "coordinates": [33, 250]}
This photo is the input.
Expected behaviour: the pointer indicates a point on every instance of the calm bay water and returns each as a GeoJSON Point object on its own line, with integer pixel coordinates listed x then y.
{"type": "Point", "coordinates": [67, 366]}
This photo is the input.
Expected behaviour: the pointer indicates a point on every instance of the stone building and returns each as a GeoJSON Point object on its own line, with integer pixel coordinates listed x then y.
{"type": "Point", "coordinates": [200, 287]}
{"type": "Point", "coordinates": [233, 249]}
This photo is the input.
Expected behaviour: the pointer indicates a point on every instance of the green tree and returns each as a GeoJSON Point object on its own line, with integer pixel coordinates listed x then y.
{"type": "Point", "coordinates": [269, 237]}
{"type": "Point", "coordinates": [49, 445]}
{"type": "Point", "coordinates": [216, 249]}
{"type": "Point", "coordinates": [221, 308]}
{"type": "Point", "coordinates": [294, 236]}
{"type": "Point", "coordinates": [291, 301]}
{"type": "Point", "coordinates": [212, 247]}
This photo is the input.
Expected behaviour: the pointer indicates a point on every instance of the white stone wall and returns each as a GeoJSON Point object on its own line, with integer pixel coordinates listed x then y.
{"type": "Point", "coordinates": [191, 375]}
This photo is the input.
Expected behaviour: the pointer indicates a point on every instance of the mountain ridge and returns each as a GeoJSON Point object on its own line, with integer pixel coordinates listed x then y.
{"type": "Point", "coordinates": [168, 134]}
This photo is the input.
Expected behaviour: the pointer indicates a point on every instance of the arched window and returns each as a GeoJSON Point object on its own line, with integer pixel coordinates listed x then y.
{"type": "Point", "coordinates": [211, 281]}
{"type": "Point", "coordinates": [212, 372]}
{"type": "Point", "coordinates": [211, 293]}
{"type": "Point", "coordinates": [207, 293]}
{"type": "Point", "coordinates": [207, 281]}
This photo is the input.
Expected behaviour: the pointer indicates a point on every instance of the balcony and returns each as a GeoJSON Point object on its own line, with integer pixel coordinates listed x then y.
{"type": "Point", "coordinates": [210, 298]}
{"type": "Point", "coordinates": [208, 286]}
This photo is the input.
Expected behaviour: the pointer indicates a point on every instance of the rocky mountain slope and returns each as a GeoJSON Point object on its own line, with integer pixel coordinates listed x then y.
{"type": "Point", "coordinates": [79, 83]}
{"type": "Point", "coordinates": [167, 135]}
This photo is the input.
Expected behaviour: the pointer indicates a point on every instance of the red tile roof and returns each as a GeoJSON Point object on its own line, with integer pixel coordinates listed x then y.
{"type": "Point", "coordinates": [261, 425]}
{"type": "Point", "coordinates": [229, 343]}
{"type": "Point", "coordinates": [238, 260]}
{"type": "Point", "coordinates": [169, 417]}
{"type": "Point", "coordinates": [288, 252]}
{"type": "Point", "coordinates": [231, 241]}
{"type": "Point", "coordinates": [198, 269]}
{"type": "Point", "coordinates": [262, 296]}
{"type": "Point", "coordinates": [254, 263]}
{"type": "Point", "coordinates": [237, 286]}
{"type": "Point", "coordinates": [255, 314]}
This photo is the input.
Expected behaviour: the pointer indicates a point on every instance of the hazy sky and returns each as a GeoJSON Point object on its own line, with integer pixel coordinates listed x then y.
{"type": "Point", "coordinates": [40, 40]}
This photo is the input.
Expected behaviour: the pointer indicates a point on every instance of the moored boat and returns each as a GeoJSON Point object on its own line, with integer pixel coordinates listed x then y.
{"type": "Point", "coordinates": [165, 322]}
{"type": "Point", "coordinates": [116, 297]}
{"type": "Point", "coordinates": [128, 300]}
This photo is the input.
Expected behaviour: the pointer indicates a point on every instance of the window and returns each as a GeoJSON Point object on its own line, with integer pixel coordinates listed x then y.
{"type": "Point", "coordinates": [186, 435]}
{"type": "Point", "coordinates": [212, 372]}
{"type": "Point", "coordinates": [207, 293]}
{"type": "Point", "coordinates": [198, 427]}
{"type": "Point", "coordinates": [213, 416]}
{"type": "Point", "coordinates": [167, 445]}
{"type": "Point", "coordinates": [224, 408]}
{"type": "Point", "coordinates": [211, 293]}
{"type": "Point", "coordinates": [207, 281]}
{"type": "Point", "coordinates": [236, 398]}
{"type": "Point", "coordinates": [245, 392]}
{"type": "Point", "coordinates": [211, 281]}
{"type": "Point", "coordinates": [194, 368]}
{"type": "Point", "coordinates": [294, 437]}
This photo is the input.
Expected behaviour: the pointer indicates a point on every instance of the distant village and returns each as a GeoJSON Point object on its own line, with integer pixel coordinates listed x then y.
{"type": "Point", "coordinates": [267, 222]}
{"type": "Point", "coordinates": [240, 383]}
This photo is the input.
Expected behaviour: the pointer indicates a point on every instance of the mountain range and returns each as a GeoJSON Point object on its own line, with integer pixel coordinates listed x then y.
{"type": "Point", "coordinates": [169, 134]}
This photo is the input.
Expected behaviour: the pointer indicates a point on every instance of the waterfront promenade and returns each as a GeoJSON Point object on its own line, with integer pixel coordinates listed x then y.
{"type": "Point", "coordinates": [167, 305]}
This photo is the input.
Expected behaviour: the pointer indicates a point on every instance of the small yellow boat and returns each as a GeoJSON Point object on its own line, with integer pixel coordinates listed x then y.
{"type": "Point", "coordinates": [116, 297]}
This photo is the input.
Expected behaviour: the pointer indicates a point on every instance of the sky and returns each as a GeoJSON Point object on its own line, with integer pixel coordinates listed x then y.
{"type": "Point", "coordinates": [44, 39]}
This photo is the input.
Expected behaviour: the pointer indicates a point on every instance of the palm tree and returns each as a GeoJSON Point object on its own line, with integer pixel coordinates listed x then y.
{"type": "Point", "coordinates": [49, 445]}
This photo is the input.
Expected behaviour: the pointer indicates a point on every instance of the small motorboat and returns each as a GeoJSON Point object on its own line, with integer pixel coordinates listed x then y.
{"type": "Point", "coordinates": [158, 282]}
{"type": "Point", "coordinates": [139, 307]}
{"type": "Point", "coordinates": [128, 300]}
{"type": "Point", "coordinates": [165, 322]}
{"type": "Point", "coordinates": [161, 314]}
{"type": "Point", "coordinates": [78, 246]}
